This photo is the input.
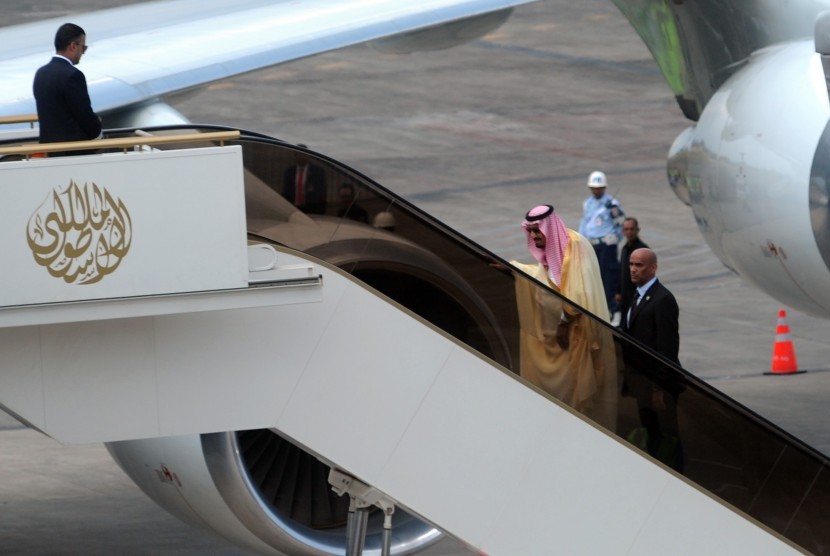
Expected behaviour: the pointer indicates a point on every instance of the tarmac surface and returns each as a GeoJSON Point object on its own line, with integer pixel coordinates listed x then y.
{"type": "Point", "coordinates": [475, 135]}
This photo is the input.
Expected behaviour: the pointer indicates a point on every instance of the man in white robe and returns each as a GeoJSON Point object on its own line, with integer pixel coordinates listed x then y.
{"type": "Point", "coordinates": [563, 352]}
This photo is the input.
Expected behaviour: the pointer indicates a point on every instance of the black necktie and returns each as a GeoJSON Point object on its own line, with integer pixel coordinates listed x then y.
{"type": "Point", "coordinates": [633, 306]}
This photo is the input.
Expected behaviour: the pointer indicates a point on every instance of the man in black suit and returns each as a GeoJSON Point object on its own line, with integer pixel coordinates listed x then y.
{"type": "Point", "coordinates": [653, 316]}
{"type": "Point", "coordinates": [63, 106]}
{"type": "Point", "coordinates": [653, 320]}
{"type": "Point", "coordinates": [631, 231]}
{"type": "Point", "coordinates": [304, 184]}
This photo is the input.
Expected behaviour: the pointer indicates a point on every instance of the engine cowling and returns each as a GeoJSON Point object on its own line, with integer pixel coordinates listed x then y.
{"type": "Point", "coordinates": [754, 170]}
{"type": "Point", "coordinates": [258, 491]}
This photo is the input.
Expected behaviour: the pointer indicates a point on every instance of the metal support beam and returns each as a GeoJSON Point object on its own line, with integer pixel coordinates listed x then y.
{"type": "Point", "coordinates": [362, 498]}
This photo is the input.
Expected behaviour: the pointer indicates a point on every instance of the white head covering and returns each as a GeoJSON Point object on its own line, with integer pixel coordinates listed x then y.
{"type": "Point", "coordinates": [556, 239]}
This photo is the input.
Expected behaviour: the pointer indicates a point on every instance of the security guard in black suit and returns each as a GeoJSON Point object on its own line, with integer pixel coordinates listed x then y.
{"type": "Point", "coordinates": [63, 106]}
{"type": "Point", "coordinates": [653, 320]}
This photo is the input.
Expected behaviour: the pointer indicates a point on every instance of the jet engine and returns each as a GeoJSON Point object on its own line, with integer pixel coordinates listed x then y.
{"type": "Point", "coordinates": [257, 490]}
{"type": "Point", "coordinates": [755, 169]}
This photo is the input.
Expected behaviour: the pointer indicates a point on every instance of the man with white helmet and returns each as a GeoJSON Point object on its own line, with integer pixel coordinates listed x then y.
{"type": "Point", "coordinates": [601, 224]}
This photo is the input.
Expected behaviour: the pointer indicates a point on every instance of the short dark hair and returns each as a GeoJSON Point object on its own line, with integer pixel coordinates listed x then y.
{"type": "Point", "coordinates": [66, 35]}
{"type": "Point", "coordinates": [632, 219]}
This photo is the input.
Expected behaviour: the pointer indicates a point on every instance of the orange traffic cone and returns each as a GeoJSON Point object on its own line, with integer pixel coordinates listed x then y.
{"type": "Point", "coordinates": [783, 354]}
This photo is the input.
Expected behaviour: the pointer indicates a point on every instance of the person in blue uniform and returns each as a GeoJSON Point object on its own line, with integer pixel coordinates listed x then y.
{"type": "Point", "coordinates": [601, 224]}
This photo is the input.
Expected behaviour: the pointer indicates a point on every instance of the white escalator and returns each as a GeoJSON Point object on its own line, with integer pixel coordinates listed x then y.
{"type": "Point", "coordinates": [371, 388]}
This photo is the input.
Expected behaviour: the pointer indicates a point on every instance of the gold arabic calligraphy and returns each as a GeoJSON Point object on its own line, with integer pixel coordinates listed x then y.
{"type": "Point", "coordinates": [80, 234]}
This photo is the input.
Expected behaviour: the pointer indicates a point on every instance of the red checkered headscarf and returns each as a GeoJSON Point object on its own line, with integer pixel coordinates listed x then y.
{"type": "Point", "coordinates": [556, 239]}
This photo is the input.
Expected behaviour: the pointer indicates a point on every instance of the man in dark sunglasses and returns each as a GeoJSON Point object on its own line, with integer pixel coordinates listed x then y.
{"type": "Point", "coordinates": [63, 106]}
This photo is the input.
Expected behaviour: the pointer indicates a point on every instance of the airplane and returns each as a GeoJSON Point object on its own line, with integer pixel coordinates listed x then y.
{"type": "Point", "coordinates": [148, 111]}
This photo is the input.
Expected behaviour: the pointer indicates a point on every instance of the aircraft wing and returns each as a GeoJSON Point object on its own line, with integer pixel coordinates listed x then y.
{"type": "Point", "coordinates": [151, 50]}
